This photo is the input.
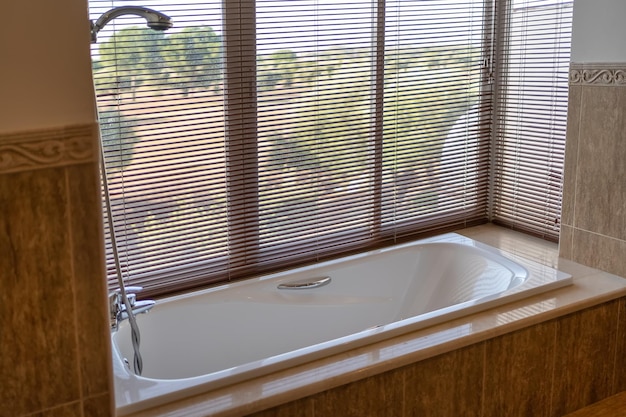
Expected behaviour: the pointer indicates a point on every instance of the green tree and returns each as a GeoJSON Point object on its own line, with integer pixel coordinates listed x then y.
{"type": "Point", "coordinates": [329, 104]}
{"type": "Point", "coordinates": [130, 58]}
{"type": "Point", "coordinates": [423, 99]}
{"type": "Point", "coordinates": [194, 57]}
{"type": "Point", "coordinates": [96, 65]}
{"type": "Point", "coordinates": [329, 133]}
{"type": "Point", "coordinates": [278, 69]}
{"type": "Point", "coordinates": [118, 139]}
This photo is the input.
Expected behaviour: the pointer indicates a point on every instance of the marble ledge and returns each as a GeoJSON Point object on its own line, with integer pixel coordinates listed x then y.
{"type": "Point", "coordinates": [590, 287]}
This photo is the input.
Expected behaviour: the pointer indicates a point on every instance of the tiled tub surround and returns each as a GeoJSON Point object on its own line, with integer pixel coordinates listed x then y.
{"type": "Point", "coordinates": [593, 228]}
{"type": "Point", "coordinates": [205, 340]}
{"type": "Point", "coordinates": [544, 356]}
{"type": "Point", "coordinates": [53, 321]}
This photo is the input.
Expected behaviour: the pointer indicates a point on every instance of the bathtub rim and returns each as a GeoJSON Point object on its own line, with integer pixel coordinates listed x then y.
{"type": "Point", "coordinates": [348, 343]}
{"type": "Point", "coordinates": [440, 238]}
{"type": "Point", "coordinates": [591, 287]}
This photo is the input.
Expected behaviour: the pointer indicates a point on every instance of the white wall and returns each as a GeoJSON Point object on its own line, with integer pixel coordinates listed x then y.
{"type": "Point", "coordinates": [599, 32]}
{"type": "Point", "coordinates": [45, 76]}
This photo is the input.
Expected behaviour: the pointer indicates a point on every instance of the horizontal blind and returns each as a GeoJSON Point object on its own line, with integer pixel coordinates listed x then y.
{"type": "Point", "coordinates": [316, 60]}
{"type": "Point", "coordinates": [161, 108]}
{"type": "Point", "coordinates": [359, 104]}
{"type": "Point", "coordinates": [531, 116]}
{"type": "Point", "coordinates": [436, 115]}
{"type": "Point", "coordinates": [256, 135]}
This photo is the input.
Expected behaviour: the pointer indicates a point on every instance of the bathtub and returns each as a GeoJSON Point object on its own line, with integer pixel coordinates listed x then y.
{"type": "Point", "coordinates": [205, 340]}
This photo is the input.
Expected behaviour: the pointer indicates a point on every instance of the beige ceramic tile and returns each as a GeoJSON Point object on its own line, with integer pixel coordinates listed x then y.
{"type": "Point", "coordinates": [47, 148]}
{"type": "Point", "coordinates": [98, 406]}
{"type": "Point", "coordinates": [584, 359]}
{"type": "Point", "coordinates": [380, 395]}
{"type": "Point", "coordinates": [571, 154]}
{"type": "Point", "coordinates": [619, 372]}
{"type": "Point", "coordinates": [449, 385]}
{"type": "Point", "coordinates": [517, 372]}
{"type": "Point", "coordinates": [89, 280]}
{"type": "Point", "coordinates": [600, 204]}
{"type": "Point", "coordinates": [38, 362]}
{"type": "Point", "coordinates": [601, 252]}
{"type": "Point", "coordinates": [566, 242]}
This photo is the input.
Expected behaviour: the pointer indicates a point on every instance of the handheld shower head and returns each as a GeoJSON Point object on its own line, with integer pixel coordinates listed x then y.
{"type": "Point", "coordinates": [155, 20]}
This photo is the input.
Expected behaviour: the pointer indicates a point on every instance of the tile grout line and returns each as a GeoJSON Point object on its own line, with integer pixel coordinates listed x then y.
{"type": "Point", "coordinates": [53, 408]}
{"type": "Point", "coordinates": [484, 378]}
{"type": "Point", "coordinates": [617, 334]}
{"type": "Point", "coordinates": [553, 370]}
{"type": "Point", "coordinates": [73, 277]}
{"type": "Point", "coordinates": [578, 140]}
{"type": "Point", "coordinates": [591, 232]}
{"type": "Point", "coordinates": [404, 401]}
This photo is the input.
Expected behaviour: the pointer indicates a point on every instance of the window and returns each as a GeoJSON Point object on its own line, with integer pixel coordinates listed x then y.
{"type": "Point", "coordinates": [260, 135]}
{"type": "Point", "coordinates": [531, 115]}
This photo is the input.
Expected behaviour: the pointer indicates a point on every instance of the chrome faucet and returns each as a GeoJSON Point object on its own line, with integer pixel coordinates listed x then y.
{"type": "Point", "coordinates": [154, 19]}
{"type": "Point", "coordinates": [117, 307]}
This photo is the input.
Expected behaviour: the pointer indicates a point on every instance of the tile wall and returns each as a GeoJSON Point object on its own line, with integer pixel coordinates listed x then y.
{"type": "Point", "coordinates": [546, 370]}
{"type": "Point", "coordinates": [53, 316]}
{"type": "Point", "coordinates": [593, 230]}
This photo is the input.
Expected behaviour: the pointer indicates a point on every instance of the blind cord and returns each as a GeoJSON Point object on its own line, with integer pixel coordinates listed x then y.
{"type": "Point", "coordinates": [135, 336]}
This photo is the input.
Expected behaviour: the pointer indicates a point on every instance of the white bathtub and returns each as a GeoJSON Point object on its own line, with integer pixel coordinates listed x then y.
{"type": "Point", "coordinates": [208, 339]}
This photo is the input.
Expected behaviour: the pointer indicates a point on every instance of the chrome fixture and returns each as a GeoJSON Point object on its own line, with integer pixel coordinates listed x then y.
{"type": "Point", "coordinates": [117, 307]}
{"type": "Point", "coordinates": [155, 20]}
{"type": "Point", "coordinates": [304, 284]}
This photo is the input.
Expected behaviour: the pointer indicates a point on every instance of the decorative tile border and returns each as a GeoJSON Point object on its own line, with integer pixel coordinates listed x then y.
{"type": "Point", "coordinates": [609, 74]}
{"type": "Point", "coordinates": [26, 151]}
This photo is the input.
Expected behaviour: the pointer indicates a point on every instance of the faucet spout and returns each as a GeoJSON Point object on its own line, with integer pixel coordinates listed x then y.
{"type": "Point", "coordinates": [154, 19]}
{"type": "Point", "coordinates": [117, 307]}
{"type": "Point", "coordinates": [139, 307]}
